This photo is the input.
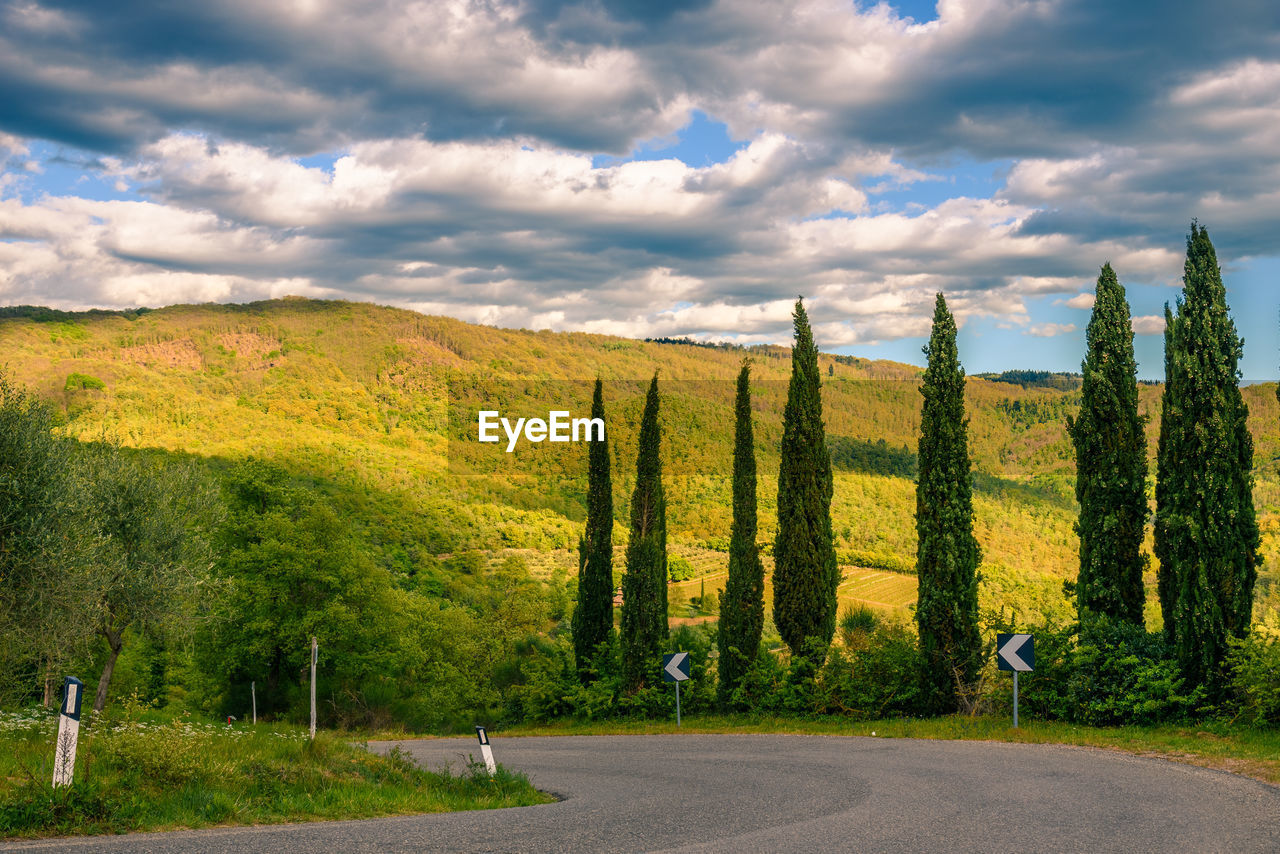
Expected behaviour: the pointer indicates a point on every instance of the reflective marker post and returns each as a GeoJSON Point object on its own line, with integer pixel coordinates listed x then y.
{"type": "Point", "coordinates": [313, 689]}
{"type": "Point", "coordinates": [486, 751]}
{"type": "Point", "coordinates": [64, 757]}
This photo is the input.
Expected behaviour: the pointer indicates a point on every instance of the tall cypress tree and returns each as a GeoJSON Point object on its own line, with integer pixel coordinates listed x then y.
{"type": "Point", "coordinates": [1206, 527]}
{"type": "Point", "coordinates": [742, 607]}
{"type": "Point", "coordinates": [593, 616]}
{"type": "Point", "coordinates": [1111, 464]}
{"type": "Point", "coordinates": [805, 574]}
{"type": "Point", "coordinates": [644, 587]}
{"type": "Point", "coordinates": [1169, 408]}
{"type": "Point", "coordinates": [947, 554]}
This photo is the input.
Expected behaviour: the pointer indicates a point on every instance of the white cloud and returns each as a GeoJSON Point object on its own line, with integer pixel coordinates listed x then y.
{"type": "Point", "coordinates": [1049, 330]}
{"type": "Point", "coordinates": [1080, 300]}
{"type": "Point", "coordinates": [1147, 324]}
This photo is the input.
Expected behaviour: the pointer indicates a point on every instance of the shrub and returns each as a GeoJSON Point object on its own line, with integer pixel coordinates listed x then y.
{"type": "Point", "coordinates": [83, 382]}
{"type": "Point", "coordinates": [1254, 664]}
{"type": "Point", "coordinates": [679, 569]}
{"type": "Point", "coordinates": [1124, 675]}
{"type": "Point", "coordinates": [875, 677]}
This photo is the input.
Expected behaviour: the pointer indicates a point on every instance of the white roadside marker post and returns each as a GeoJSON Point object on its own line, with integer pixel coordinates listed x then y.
{"type": "Point", "coordinates": [253, 693]}
{"type": "Point", "coordinates": [314, 647]}
{"type": "Point", "coordinates": [64, 757]}
{"type": "Point", "coordinates": [486, 751]}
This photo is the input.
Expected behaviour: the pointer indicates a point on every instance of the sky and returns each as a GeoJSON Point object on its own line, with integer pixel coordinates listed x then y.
{"type": "Point", "coordinates": [640, 168]}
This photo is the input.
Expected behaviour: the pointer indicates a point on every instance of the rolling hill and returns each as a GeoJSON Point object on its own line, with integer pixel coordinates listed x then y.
{"type": "Point", "coordinates": [375, 408]}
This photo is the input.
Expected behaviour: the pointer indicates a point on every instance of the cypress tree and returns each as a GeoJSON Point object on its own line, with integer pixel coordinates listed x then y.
{"type": "Point", "coordinates": [1206, 528]}
{"type": "Point", "coordinates": [593, 616]}
{"type": "Point", "coordinates": [805, 574]}
{"type": "Point", "coordinates": [644, 587]}
{"type": "Point", "coordinates": [947, 554]}
{"type": "Point", "coordinates": [742, 607]}
{"type": "Point", "coordinates": [1111, 464]}
{"type": "Point", "coordinates": [1164, 478]}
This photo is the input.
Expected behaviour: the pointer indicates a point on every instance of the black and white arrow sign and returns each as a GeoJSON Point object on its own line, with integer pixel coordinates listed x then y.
{"type": "Point", "coordinates": [1016, 652]}
{"type": "Point", "coordinates": [675, 667]}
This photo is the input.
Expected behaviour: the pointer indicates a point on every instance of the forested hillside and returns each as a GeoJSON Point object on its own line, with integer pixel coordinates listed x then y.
{"type": "Point", "coordinates": [367, 409]}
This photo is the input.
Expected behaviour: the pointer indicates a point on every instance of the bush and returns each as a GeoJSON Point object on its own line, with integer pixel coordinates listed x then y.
{"type": "Point", "coordinates": [679, 569]}
{"type": "Point", "coordinates": [83, 382]}
{"type": "Point", "coordinates": [1254, 664]}
{"type": "Point", "coordinates": [875, 678]}
{"type": "Point", "coordinates": [1124, 675]}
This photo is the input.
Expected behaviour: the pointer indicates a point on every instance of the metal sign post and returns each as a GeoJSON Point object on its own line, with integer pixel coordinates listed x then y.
{"type": "Point", "coordinates": [1017, 653]}
{"type": "Point", "coordinates": [314, 647]}
{"type": "Point", "coordinates": [64, 756]}
{"type": "Point", "coordinates": [486, 751]}
{"type": "Point", "coordinates": [675, 668]}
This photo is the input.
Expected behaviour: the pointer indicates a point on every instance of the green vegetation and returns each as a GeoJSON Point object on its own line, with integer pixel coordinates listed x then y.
{"type": "Point", "coordinates": [329, 430]}
{"type": "Point", "coordinates": [1111, 464]}
{"type": "Point", "coordinates": [805, 574]}
{"type": "Point", "coordinates": [143, 772]}
{"type": "Point", "coordinates": [1206, 532]}
{"type": "Point", "coordinates": [742, 607]}
{"type": "Point", "coordinates": [948, 554]}
{"type": "Point", "coordinates": [83, 382]}
{"type": "Point", "coordinates": [593, 616]}
{"type": "Point", "coordinates": [644, 587]}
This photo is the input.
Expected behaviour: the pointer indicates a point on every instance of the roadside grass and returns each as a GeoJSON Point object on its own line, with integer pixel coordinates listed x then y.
{"type": "Point", "coordinates": [1242, 750]}
{"type": "Point", "coordinates": [155, 774]}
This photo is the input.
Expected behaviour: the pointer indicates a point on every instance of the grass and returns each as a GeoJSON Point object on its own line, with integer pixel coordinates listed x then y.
{"type": "Point", "coordinates": [1251, 752]}
{"type": "Point", "coordinates": [152, 774]}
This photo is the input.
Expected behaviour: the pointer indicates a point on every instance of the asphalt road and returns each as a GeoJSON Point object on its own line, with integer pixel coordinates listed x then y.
{"type": "Point", "coordinates": [770, 793]}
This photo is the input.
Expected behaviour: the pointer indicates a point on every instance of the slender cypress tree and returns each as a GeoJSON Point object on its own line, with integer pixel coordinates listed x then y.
{"type": "Point", "coordinates": [805, 574]}
{"type": "Point", "coordinates": [1169, 409]}
{"type": "Point", "coordinates": [644, 587]}
{"type": "Point", "coordinates": [947, 554]}
{"type": "Point", "coordinates": [593, 616]}
{"type": "Point", "coordinates": [1111, 464]}
{"type": "Point", "coordinates": [1206, 527]}
{"type": "Point", "coordinates": [742, 607]}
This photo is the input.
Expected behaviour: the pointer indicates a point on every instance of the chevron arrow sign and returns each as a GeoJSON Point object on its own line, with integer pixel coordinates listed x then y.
{"type": "Point", "coordinates": [675, 667]}
{"type": "Point", "coordinates": [1016, 652]}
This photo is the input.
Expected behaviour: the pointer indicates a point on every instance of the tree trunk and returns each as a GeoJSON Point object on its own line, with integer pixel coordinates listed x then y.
{"type": "Point", "coordinates": [115, 641]}
{"type": "Point", "coordinates": [48, 684]}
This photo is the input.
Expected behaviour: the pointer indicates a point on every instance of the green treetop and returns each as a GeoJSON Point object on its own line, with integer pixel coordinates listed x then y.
{"type": "Point", "coordinates": [1111, 464]}
{"type": "Point", "coordinates": [1206, 528]}
{"type": "Point", "coordinates": [593, 617]}
{"type": "Point", "coordinates": [742, 608]}
{"type": "Point", "coordinates": [947, 554]}
{"type": "Point", "coordinates": [644, 586]}
{"type": "Point", "coordinates": [805, 574]}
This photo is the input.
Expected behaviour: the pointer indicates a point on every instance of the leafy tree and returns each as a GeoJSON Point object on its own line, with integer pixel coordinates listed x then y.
{"type": "Point", "coordinates": [593, 617]}
{"type": "Point", "coordinates": [742, 607]}
{"type": "Point", "coordinates": [154, 520]}
{"type": "Point", "coordinates": [47, 598]}
{"type": "Point", "coordinates": [289, 568]}
{"type": "Point", "coordinates": [644, 586]}
{"type": "Point", "coordinates": [947, 554]}
{"type": "Point", "coordinates": [1206, 528]}
{"type": "Point", "coordinates": [805, 574]}
{"type": "Point", "coordinates": [1111, 464]}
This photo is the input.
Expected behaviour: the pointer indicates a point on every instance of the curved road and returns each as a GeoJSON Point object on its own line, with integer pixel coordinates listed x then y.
{"type": "Point", "coordinates": [768, 793]}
